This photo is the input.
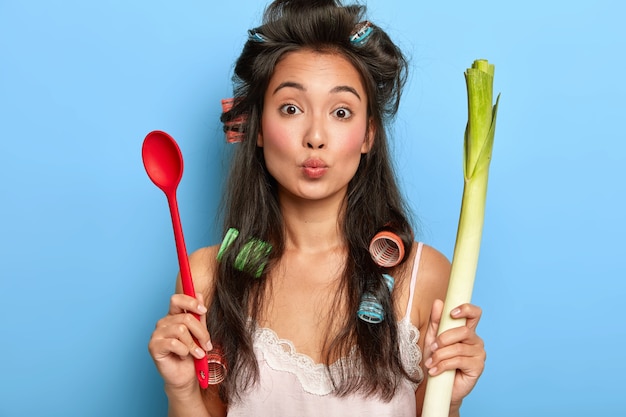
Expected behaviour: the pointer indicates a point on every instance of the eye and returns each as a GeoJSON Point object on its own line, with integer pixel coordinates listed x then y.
{"type": "Point", "coordinates": [342, 113]}
{"type": "Point", "coordinates": [290, 109]}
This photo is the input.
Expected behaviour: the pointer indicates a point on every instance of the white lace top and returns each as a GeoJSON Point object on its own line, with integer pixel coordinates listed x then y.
{"type": "Point", "coordinates": [292, 384]}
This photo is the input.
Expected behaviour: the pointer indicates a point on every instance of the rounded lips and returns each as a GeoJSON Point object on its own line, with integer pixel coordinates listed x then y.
{"type": "Point", "coordinates": [314, 168]}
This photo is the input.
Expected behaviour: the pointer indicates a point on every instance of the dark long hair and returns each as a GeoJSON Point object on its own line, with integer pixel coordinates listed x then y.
{"type": "Point", "coordinates": [373, 199]}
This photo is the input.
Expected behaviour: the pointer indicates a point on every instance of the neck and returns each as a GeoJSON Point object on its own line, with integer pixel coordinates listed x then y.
{"type": "Point", "coordinates": [312, 226]}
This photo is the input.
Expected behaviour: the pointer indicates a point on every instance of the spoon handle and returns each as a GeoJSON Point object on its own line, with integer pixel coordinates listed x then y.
{"type": "Point", "coordinates": [202, 365]}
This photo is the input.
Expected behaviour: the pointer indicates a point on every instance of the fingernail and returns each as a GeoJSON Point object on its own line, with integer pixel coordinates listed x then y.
{"type": "Point", "coordinates": [432, 371]}
{"type": "Point", "coordinates": [428, 362]}
{"type": "Point", "coordinates": [456, 312]}
{"type": "Point", "coordinates": [434, 347]}
{"type": "Point", "coordinates": [199, 353]}
{"type": "Point", "coordinates": [209, 346]}
{"type": "Point", "coordinates": [202, 309]}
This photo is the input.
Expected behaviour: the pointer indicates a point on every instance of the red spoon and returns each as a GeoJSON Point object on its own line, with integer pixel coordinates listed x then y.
{"type": "Point", "coordinates": [164, 164]}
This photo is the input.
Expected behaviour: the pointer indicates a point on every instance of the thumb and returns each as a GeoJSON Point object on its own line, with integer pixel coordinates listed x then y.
{"type": "Point", "coordinates": [203, 320]}
{"type": "Point", "coordinates": [433, 326]}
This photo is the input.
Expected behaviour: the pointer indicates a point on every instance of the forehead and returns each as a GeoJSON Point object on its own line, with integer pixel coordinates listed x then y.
{"type": "Point", "coordinates": [317, 67]}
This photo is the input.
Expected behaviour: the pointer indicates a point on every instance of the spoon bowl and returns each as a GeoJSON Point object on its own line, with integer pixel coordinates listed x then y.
{"type": "Point", "coordinates": [163, 160]}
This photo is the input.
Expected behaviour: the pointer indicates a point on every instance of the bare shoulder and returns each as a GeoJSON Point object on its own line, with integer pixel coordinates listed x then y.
{"type": "Point", "coordinates": [434, 268]}
{"type": "Point", "coordinates": [202, 263]}
{"type": "Point", "coordinates": [432, 283]}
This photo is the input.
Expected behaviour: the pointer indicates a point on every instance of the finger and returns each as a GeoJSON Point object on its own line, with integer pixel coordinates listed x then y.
{"type": "Point", "coordinates": [181, 303]}
{"type": "Point", "coordinates": [461, 334]}
{"type": "Point", "coordinates": [447, 357]}
{"type": "Point", "coordinates": [469, 312]}
{"type": "Point", "coordinates": [458, 349]}
{"type": "Point", "coordinates": [184, 327]}
{"type": "Point", "coordinates": [471, 366]}
{"type": "Point", "coordinates": [197, 330]}
{"type": "Point", "coordinates": [163, 347]}
{"type": "Point", "coordinates": [174, 340]}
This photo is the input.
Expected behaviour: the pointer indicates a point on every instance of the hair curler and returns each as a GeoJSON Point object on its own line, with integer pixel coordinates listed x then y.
{"type": "Point", "coordinates": [234, 129]}
{"type": "Point", "coordinates": [386, 249]}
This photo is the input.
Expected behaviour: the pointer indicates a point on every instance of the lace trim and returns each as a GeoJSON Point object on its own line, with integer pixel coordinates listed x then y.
{"type": "Point", "coordinates": [281, 355]}
{"type": "Point", "coordinates": [410, 352]}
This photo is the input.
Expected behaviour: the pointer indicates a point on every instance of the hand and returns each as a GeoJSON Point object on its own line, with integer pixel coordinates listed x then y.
{"type": "Point", "coordinates": [458, 348]}
{"type": "Point", "coordinates": [172, 346]}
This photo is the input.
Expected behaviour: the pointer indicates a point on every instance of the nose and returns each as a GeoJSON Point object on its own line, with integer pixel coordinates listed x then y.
{"type": "Point", "coordinates": [315, 136]}
{"type": "Point", "coordinates": [314, 145]}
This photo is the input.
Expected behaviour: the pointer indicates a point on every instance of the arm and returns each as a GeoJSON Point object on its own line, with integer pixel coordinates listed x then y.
{"type": "Point", "coordinates": [172, 346]}
{"type": "Point", "coordinates": [459, 348]}
{"type": "Point", "coordinates": [195, 403]}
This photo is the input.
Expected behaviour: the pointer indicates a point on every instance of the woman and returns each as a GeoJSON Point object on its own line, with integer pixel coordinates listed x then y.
{"type": "Point", "coordinates": [290, 298]}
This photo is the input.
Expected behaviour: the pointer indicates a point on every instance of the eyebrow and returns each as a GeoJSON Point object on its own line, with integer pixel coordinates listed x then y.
{"type": "Point", "coordinates": [298, 86]}
{"type": "Point", "coordinates": [290, 84]}
{"type": "Point", "coordinates": [346, 88]}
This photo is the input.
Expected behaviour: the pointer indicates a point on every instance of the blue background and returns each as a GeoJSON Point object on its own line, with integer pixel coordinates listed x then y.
{"type": "Point", "coordinates": [86, 248]}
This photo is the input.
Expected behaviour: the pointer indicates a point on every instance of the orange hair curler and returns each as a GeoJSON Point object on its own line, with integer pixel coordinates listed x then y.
{"type": "Point", "coordinates": [217, 365]}
{"type": "Point", "coordinates": [386, 249]}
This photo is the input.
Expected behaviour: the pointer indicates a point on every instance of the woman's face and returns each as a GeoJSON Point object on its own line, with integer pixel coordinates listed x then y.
{"type": "Point", "coordinates": [314, 126]}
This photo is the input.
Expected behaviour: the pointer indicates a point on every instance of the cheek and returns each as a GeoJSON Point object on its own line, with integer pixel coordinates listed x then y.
{"type": "Point", "coordinates": [275, 135]}
{"type": "Point", "coordinates": [277, 147]}
{"type": "Point", "coordinates": [353, 141]}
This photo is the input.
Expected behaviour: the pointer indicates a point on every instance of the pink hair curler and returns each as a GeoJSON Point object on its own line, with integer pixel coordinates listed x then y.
{"type": "Point", "coordinates": [234, 129]}
{"type": "Point", "coordinates": [387, 249]}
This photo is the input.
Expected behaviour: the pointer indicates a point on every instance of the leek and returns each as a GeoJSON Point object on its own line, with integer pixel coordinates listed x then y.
{"type": "Point", "coordinates": [478, 144]}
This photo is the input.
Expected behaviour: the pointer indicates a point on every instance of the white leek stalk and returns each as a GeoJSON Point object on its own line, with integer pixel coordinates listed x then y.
{"type": "Point", "coordinates": [479, 134]}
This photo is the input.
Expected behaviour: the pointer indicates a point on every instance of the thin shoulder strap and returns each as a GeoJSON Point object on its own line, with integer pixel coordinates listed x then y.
{"type": "Point", "coordinates": [416, 263]}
